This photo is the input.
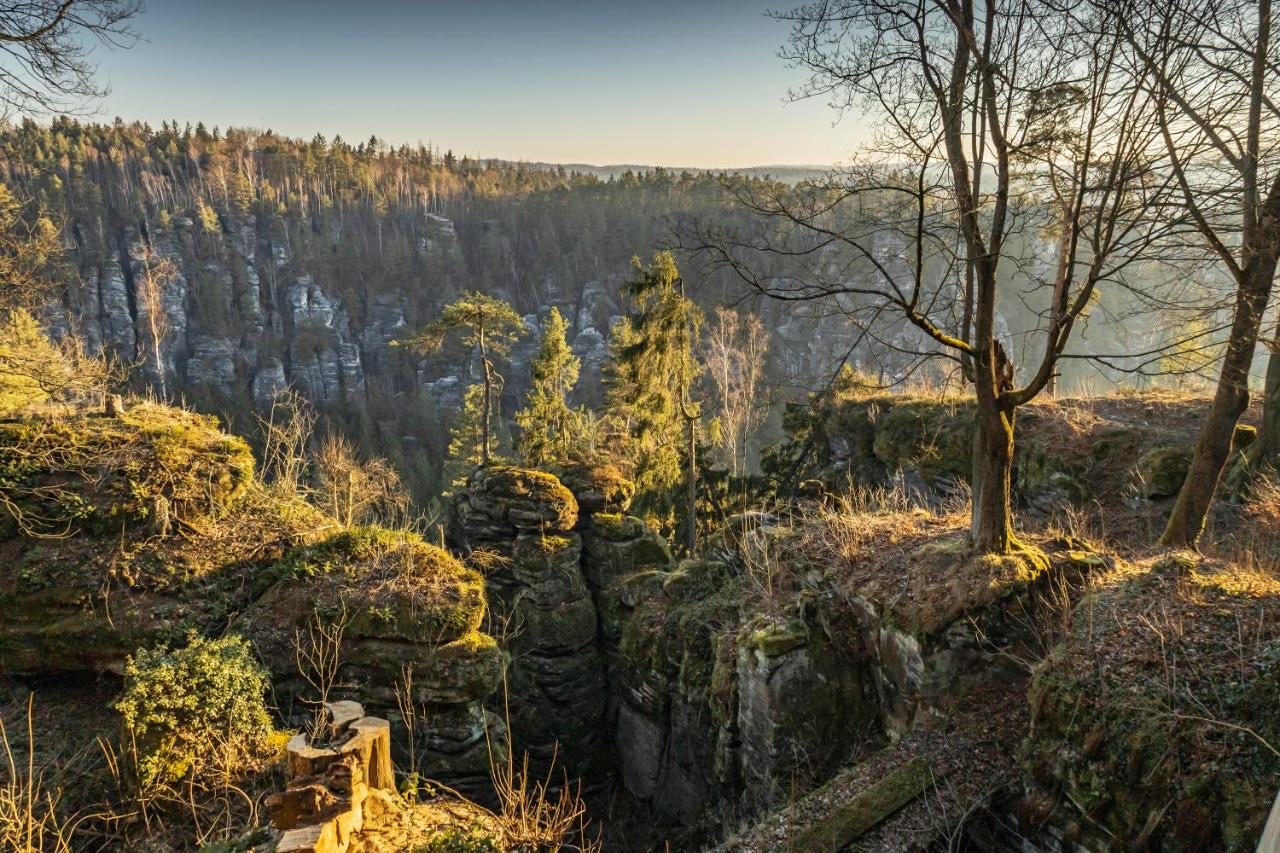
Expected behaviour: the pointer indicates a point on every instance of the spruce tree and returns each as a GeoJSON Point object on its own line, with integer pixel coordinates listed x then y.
{"type": "Point", "coordinates": [651, 381]}
{"type": "Point", "coordinates": [466, 440]}
{"type": "Point", "coordinates": [548, 426]}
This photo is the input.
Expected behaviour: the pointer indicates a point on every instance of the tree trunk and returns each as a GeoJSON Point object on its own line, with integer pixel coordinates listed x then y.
{"type": "Point", "coordinates": [1267, 446]}
{"type": "Point", "coordinates": [1186, 522]}
{"type": "Point", "coordinates": [484, 415]}
{"type": "Point", "coordinates": [691, 489]}
{"type": "Point", "coordinates": [991, 526]}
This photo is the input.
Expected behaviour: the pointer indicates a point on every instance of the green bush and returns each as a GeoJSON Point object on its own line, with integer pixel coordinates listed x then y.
{"type": "Point", "coordinates": [456, 840]}
{"type": "Point", "coordinates": [186, 708]}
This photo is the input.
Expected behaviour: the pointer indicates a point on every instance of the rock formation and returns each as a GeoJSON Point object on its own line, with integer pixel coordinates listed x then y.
{"type": "Point", "coordinates": [541, 609]}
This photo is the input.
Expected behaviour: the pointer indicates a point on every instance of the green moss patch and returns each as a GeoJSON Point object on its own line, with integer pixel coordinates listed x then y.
{"type": "Point", "coordinates": [523, 498]}
{"type": "Point", "coordinates": [97, 474]}
{"type": "Point", "coordinates": [857, 816]}
{"type": "Point", "coordinates": [393, 585]}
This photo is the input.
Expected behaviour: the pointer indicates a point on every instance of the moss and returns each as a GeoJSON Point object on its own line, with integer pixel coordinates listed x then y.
{"type": "Point", "coordinates": [91, 473]}
{"type": "Point", "coordinates": [598, 487]}
{"type": "Point", "coordinates": [524, 497]}
{"type": "Point", "coordinates": [1244, 436]}
{"type": "Point", "coordinates": [696, 579]}
{"type": "Point", "coordinates": [775, 639]}
{"type": "Point", "coordinates": [1160, 472]}
{"type": "Point", "coordinates": [541, 553]}
{"type": "Point", "coordinates": [1129, 739]}
{"type": "Point", "coordinates": [393, 585]}
{"type": "Point", "coordinates": [614, 527]}
{"type": "Point", "coordinates": [465, 670]}
{"type": "Point", "coordinates": [852, 819]}
{"type": "Point", "coordinates": [931, 436]}
{"type": "Point", "coordinates": [948, 582]}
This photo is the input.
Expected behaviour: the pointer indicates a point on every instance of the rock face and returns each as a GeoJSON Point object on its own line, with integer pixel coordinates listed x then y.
{"type": "Point", "coordinates": [541, 608]}
{"type": "Point", "coordinates": [713, 713]}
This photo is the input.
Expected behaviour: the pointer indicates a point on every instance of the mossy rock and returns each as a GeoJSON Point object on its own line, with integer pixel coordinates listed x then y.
{"type": "Point", "coordinates": [934, 438]}
{"type": "Point", "coordinates": [1161, 471]}
{"type": "Point", "coordinates": [696, 579]}
{"type": "Point", "coordinates": [949, 582]}
{"type": "Point", "coordinates": [468, 669]}
{"type": "Point", "coordinates": [598, 487]}
{"type": "Point", "coordinates": [392, 585]}
{"type": "Point", "coordinates": [536, 554]}
{"type": "Point", "coordinates": [88, 472]}
{"type": "Point", "coordinates": [523, 498]}
{"type": "Point", "coordinates": [616, 546]}
{"type": "Point", "coordinates": [615, 527]}
{"type": "Point", "coordinates": [1142, 761]}
{"type": "Point", "coordinates": [773, 637]}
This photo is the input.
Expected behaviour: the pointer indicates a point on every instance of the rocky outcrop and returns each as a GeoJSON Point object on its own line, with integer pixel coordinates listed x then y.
{"type": "Point", "coordinates": [1068, 453]}
{"type": "Point", "coordinates": [1126, 749]}
{"type": "Point", "coordinates": [399, 615]}
{"type": "Point", "coordinates": [542, 609]}
{"type": "Point", "coordinates": [408, 618]}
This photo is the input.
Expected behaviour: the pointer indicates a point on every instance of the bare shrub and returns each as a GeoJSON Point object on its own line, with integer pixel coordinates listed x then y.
{"type": "Point", "coordinates": [317, 654]}
{"type": "Point", "coordinates": [286, 432]}
{"type": "Point", "coordinates": [30, 815]}
{"type": "Point", "coordinates": [536, 814]}
{"type": "Point", "coordinates": [352, 491]}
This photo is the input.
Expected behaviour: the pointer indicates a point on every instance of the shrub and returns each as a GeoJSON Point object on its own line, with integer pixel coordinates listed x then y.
{"type": "Point", "coordinates": [193, 708]}
{"type": "Point", "coordinates": [456, 840]}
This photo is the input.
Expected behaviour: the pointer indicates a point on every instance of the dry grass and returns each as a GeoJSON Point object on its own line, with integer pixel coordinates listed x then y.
{"type": "Point", "coordinates": [224, 799]}
{"type": "Point", "coordinates": [31, 818]}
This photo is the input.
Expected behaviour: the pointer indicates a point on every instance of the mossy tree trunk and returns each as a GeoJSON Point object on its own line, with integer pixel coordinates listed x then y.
{"type": "Point", "coordinates": [991, 525]}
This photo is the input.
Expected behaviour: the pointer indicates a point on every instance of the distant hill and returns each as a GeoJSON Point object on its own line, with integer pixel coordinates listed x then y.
{"type": "Point", "coordinates": [788, 173]}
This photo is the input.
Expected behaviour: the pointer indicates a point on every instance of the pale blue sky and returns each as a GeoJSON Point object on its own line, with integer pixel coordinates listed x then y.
{"type": "Point", "coordinates": [695, 83]}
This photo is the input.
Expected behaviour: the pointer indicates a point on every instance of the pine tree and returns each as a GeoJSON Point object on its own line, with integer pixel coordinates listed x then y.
{"type": "Point", "coordinates": [651, 379]}
{"type": "Point", "coordinates": [487, 325]}
{"type": "Point", "coordinates": [548, 426]}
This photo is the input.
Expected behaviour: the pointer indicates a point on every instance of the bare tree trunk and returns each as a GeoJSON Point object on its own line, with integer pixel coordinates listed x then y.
{"type": "Point", "coordinates": [484, 416]}
{"type": "Point", "coordinates": [691, 488]}
{"type": "Point", "coordinates": [1266, 448]}
{"type": "Point", "coordinates": [1186, 523]}
{"type": "Point", "coordinates": [991, 526]}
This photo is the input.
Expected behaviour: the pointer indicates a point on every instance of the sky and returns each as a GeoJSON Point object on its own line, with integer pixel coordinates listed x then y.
{"type": "Point", "coordinates": [695, 83]}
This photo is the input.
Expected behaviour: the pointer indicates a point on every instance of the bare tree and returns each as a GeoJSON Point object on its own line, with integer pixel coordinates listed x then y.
{"type": "Point", "coordinates": [286, 432]}
{"type": "Point", "coordinates": [980, 109]}
{"type": "Point", "coordinates": [351, 490]}
{"type": "Point", "coordinates": [47, 46]}
{"type": "Point", "coordinates": [158, 272]}
{"type": "Point", "coordinates": [734, 353]}
{"type": "Point", "coordinates": [1212, 68]}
